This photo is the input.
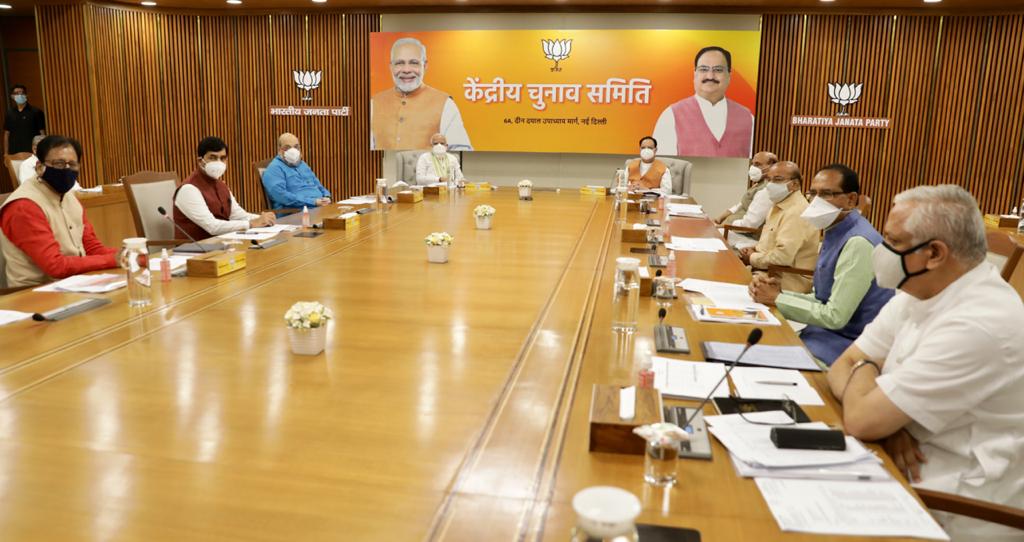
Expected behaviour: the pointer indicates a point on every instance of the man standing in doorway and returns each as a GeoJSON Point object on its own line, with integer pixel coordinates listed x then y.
{"type": "Point", "coordinates": [22, 122]}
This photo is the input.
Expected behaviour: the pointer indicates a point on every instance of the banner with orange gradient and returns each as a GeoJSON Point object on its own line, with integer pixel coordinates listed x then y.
{"type": "Point", "coordinates": [607, 89]}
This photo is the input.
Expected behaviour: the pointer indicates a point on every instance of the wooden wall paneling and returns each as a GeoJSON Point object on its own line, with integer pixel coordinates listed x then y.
{"type": "Point", "coordinates": [256, 86]}
{"type": "Point", "coordinates": [66, 77]}
{"type": "Point", "coordinates": [996, 159]}
{"type": "Point", "coordinates": [111, 101]}
{"type": "Point", "coordinates": [781, 37]}
{"type": "Point", "coordinates": [326, 149]}
{"type": "Point", "coordinates": [364, 165]}
{"type": "Point", "coordinates": [868, 62]}
{"type": "Point", "coordinates": [183, 92]}
{"type": "Point", "coordinates": [910, 85]}
{"type": "Point", "coordinates": [221, 39]}
{"type": "Point", "coordinates": [288, 50]}
{"type": "Point", "coordinates": [145, 103]}
{"type": "Point", "coordinates": [822, 63]}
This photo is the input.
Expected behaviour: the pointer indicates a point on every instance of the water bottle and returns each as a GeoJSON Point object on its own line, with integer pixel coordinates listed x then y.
{"type": "Point", "coordinates": [621, 194]}
{"type": "Point", "coordinates": [305, 217]}
{"type": "Point", "coordinates": [626, 298]}
{"type": "Point", "coordinates": [135, 261]}
{"type": "Point", "coordinates": [382, 195]}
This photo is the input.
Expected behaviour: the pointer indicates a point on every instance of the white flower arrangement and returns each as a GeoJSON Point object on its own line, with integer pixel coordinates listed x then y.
{"type": "Point", "coordinates": [307, 314]}
{"type": "Point", "coordinates": [439, 239]}
{"type": "Point", "coordinates": [525, 183]}
{"type": "Point", "coordinates": [483, 211]}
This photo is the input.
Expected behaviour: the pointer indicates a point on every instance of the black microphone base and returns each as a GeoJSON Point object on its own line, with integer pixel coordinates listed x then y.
{"type": "Point", "coordinates": [199, 248]}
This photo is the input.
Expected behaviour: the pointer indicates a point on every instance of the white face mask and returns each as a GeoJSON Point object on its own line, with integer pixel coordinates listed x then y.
{"type": "Point", "coordinates": [820, 213]}
{"type": "Point", "coordinates": [646, 153]}
{"type": "Point", "coordinates": [215, 169]}
{"type": "Point", "coordinates": [293, 156]}
{"type": "Point", "coordinates": [890, 266]}
{"type": "Point", "coordinates": [439, 149]}
{"type": "Point", "coordinates": [754, 174]}
{"type": "Point", "coordinates": [777, 191]}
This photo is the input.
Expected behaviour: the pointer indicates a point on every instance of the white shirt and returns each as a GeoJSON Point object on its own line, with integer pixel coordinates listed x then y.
{"type": "Point", "coordinates": [451, 127]}
{"type": "Point", "coordinates": [757, 211]}
{"type": "Point", "coordinates": [955, 364]}
{"type": "Point", "coordinates": [715, 116]}
{"type": "Point", "coordinates": [27, 169]}
{"type": "Point", "coordinates": [190, 201]}
{"type": "Point", "coordinates": [425, 173]}
{"type": "Point", "coordinates": [666, 178]}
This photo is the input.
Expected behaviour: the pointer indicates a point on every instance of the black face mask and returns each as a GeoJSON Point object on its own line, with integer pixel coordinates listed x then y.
{"type": "Point", "coordinates": [61, 180]}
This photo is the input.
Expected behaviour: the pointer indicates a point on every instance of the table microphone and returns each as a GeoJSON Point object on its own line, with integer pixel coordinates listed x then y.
{"type": "Point", "coordinates": [752, 339]}
{"type": "Point", "coordinates": [163, 213]}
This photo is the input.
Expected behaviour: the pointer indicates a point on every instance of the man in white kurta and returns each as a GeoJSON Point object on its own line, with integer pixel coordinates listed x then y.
{"type": "Point", "coordinates": [949, 399]}
{"type": "Point", "coordinates": [438, 165]}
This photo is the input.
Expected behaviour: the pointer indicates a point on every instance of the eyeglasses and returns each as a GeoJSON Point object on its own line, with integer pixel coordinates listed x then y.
{"type": "Point", "coordinates": [824, 194]}
{"type": "Point", "coordinates": [751, 405]}
{"type": "Point", "coordinates": [61, 164]}
{"type": "Point", "coordinates": [403, 63]}
{"type": "Point", "coordinates": [719, 70]}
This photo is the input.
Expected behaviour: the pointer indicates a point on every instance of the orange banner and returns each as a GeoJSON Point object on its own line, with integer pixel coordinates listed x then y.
{"type": "Point", "coordinates": [585, 91]}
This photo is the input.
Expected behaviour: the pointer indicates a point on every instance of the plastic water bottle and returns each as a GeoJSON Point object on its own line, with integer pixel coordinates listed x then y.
{"type": "Point", "coordinates": [670, 268]}
{"type": "Point", "coordinates": [135, 261]}
{"type": "Point", "coordinates": [165, 266]}
{"type": "Point", "coordinates": [305, 216]}
{"type": "Point", "coordinates": [382, 195]}
{"type": "Point", "coordinates": [626, 298]}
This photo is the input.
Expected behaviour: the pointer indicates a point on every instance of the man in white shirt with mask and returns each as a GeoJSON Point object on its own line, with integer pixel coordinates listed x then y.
{"type": "Point", "coordinates": [438, 165]}
{"type": "Point", "coordinates": [752, 209]}
{"type": "Point", "coordinates": [647, 172]}
{"type": "Point", "coordinates": [939, 374]}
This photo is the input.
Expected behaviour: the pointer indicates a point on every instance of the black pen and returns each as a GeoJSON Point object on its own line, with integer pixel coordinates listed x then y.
{"type": "Point", "coordinates": [775, 383]}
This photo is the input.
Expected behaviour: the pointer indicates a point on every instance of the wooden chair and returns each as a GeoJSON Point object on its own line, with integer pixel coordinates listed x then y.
{"type": "Point", "coordinates": [13, 163]}
{"type": "Point", "coordinates": [4, 289]}
{"type": "Point", "coordinates": [1004, 251]}
{"type": "Point", "coordinates": [147, 191]}
{"type": "Point", "coordinates": [972, 508]}
{"type": "Point", "coordinates": [262, 166]}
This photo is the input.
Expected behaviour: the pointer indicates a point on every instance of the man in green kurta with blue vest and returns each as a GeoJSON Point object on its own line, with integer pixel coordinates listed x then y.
{"type": "Point", "coordinates": [845, 296]}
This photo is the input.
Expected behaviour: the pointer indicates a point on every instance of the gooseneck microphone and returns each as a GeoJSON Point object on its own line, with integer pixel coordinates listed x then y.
{"type": "Point", "coordinates": [163, 213]}
{"type": "Point", "coordinates": [752, 339]}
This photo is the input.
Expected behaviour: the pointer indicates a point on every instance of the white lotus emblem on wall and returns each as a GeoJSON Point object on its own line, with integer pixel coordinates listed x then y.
{"type": "Point", "coordinates": [307, 81]}
{"type": "Point", "coordinates": [556, 50]}
{"type": "Point", "coordinates": [844, 95]}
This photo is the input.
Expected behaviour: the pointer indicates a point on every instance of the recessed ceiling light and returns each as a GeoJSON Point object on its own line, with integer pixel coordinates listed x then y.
{"type": "Point", "coordinates": [319, 1]}
{"type": "Point", "coordinates": [235, 2]}
{"type": "Point", "coordinates": [932, 1]}
{"type": "Point", "coordinates": [149, 4]}
{"type": "Point", "coordinates": [5, 6]}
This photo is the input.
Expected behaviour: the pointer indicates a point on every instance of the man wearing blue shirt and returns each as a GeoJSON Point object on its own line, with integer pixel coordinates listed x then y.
{"type": "Point", "coordinates": [289, 182]}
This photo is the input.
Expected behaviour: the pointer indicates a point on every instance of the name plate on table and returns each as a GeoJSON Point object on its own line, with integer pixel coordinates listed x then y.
{"type": "Point", "coordinates": [646, 282]}
{"type": "Point", "coordinates": [347, 221]}
{"type": "Point", "coordinates": [215, 264]}
{"type": "Point", "coordinates": [473, 187]}
{"type": "Point", "coordinates": [1002, 221]}
{"type": "Point", "coordinates": [593, 190]}
{"type": "Point", "coordinates": [637, 233]}
{"type": "Point", "coordinates": [435, 189]}
{"type": "Point", "coordinates": [410, 196]}
{"type": "Point", "coordinates": [609, 432]}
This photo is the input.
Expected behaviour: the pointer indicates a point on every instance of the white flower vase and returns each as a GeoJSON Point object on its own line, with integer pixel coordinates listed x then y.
{"type": "Point", "coordinates": [526, 192]}
{"type": "Point", "coordinates": [308, 341]}
{"type": "Point", "coordinates": [483, 222]}
{"type": "Point", "coordinates": [437, 254]}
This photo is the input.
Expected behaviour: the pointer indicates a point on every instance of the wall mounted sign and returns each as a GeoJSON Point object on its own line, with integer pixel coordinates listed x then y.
{"type": "Point", "coordinates": [307, 81]}
{"type": "Point", "coordinates": [844, 95]}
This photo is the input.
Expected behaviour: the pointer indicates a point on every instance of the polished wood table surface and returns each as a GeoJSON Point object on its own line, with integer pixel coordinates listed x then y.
{"type": "Point", "coordinates": [451, 402]}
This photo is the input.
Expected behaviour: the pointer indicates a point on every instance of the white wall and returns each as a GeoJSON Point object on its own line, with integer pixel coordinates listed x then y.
{"type": "Point", "coordinates": [717, 182]}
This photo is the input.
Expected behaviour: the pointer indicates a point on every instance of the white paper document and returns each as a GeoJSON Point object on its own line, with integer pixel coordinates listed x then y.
{"type": "Point", "coordinates": [246, 236]}
{"type": "Point", "coordinates": [359, 200]}
{"type": "Point", "coordinates": [177, 261]}
{"type": "Point", "coordinates": [686, 209]}
{"type": "Point", "coordinates": [869, 469]}
{"type": "Point", "coordinates": [697, 244]}
{"type": "Point", "coordinates": [276, 228]}
{"type": "Point", "coordinates": [722, 294]}
{"type": "Point", "coordinates": [688, 379]}
{"type": "Point", "coordinates": [87, 284]}
{"type": "Point", "coordinates": [754, 314]}
{"type": "Point", "coordinates": [768, 383]}
{"type": "Point", "coordinates": [8, 317]}
{"type": "Point", "coordinates": [752, 442]}
{"type": "Point", "coordinates": [763, 355]}
{"type": "Point", "coordinates": [847, 508]}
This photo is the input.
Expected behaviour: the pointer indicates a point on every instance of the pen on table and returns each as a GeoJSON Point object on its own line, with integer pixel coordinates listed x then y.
{"type": "Point", "coordinates": [775, 383]}
{"type": "Point", "coordinates": [48, 315]}
{"type": "Point", "coordinates": [823, 474]}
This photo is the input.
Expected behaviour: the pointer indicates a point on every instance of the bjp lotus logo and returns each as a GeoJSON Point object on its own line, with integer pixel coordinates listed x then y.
{"type": "Point", "coordinates": [556, 50]}
{"type": "Point", "coordinates": [844, 95]}
{"type": "Point", "coordinates": [307, 81]}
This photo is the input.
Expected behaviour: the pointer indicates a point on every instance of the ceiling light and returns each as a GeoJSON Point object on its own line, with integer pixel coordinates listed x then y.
{"type": "Point", "coordinates": [234, 2]}
{"type": "Point", "coordinates": [319, 1]}
{"type": "Point", "coordinates": [932, 1]}
{"type": "Point", "coordinates": [5, 6]}
{"type": "Point", "coordinates": [149, 4]}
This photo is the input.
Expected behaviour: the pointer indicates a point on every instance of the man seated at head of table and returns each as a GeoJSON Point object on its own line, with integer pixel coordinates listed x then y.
{"type": "Point", "coordinates": [939, 373]}
{"type": "Point", "coordinates": [46, 235]}
{"type": "Point", "coordinates": [203, 204]}
{"type": "Point", "coordinates": [753, 207]}
{"type": "Point", "coordinates": [438, 165]}
{"type": "Point", "coordinates": [647, 172]}
{"type": "Point", "coordinates": [845, 296]}
{"type": "Point", "coordinates": [786, 239]}
{"type": "Point", "coordinates": [288, 180]}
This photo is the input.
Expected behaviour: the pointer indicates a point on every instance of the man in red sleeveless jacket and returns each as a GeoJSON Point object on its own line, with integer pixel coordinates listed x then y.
{"type": "Point", "coordinates": [707, 123]}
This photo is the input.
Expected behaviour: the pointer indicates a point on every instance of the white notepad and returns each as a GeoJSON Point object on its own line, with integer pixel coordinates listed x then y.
{"type": "Point", "coordinates": [688, 379]}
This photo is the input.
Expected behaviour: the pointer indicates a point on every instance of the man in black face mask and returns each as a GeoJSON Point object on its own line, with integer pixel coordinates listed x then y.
{"type": "Point", "coordinates": [45, 233]}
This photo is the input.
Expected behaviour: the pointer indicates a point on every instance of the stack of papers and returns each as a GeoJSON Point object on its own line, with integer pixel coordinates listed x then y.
{"type": "Point", "coordinates": [177, 261]}
{"type": "Point", "coordinates": [752, 443]}
{"type": "Point", "coordinates": [847, 508]}
{"type": "Point", "coordinates": [247, 236]}
{"type": "Point", "coordinates": [689, 210]}
{"type": "Point", "coordinates": [689, 379]}
{"type": "Point", "coordinates": [722, 294]}
{"type": "Point", "coordinates": [869, 469]}
{"type": "Point", "coordinates": [765, 383]}
{"type": "Point", "coordinates": [697, 244]}
{"type": "Point", "coordinates": [276, 228]}
{"type": "Point", "coordinates": [8, 317]}
{"type": "Point", "coordinates": [359, 200]}
{"type": "Point", "coordinates": [763, 355]}
{"type": "Point", "coordinates": [87, 284]}
{"type": "Point", "coordinates": [758, 315]}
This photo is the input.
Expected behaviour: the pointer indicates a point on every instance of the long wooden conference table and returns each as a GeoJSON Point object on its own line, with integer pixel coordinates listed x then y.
{"type": "Point", "coordinates": [451, 403]}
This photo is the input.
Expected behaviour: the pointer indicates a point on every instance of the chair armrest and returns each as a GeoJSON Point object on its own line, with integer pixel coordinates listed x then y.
{"type": "Point", "coordinates": [974, 508]}
{"type": "Point", "coordinates": [776, 269]}
{"type": "Point", "coordinates": [740, 229]}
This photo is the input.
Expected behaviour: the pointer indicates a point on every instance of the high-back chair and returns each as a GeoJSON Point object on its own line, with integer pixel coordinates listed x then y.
{"type": "Point", "coordinates": [679, 170]}
{"type": "Point", "coordinates": [13, 162]}
{"type": "Point", "coordinates": [261, 168]}
{"type": "Point", "coordinates": [1004, 252]}
{"type": "Point", "coordinates": [147, 191]}
{"type": "Point", "coordinates": [405, 165]}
